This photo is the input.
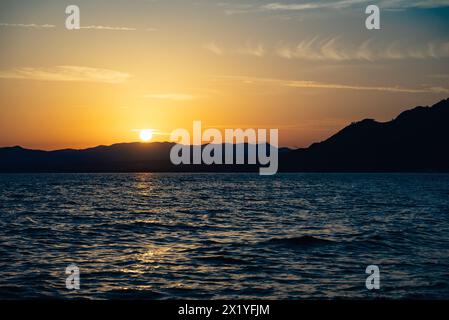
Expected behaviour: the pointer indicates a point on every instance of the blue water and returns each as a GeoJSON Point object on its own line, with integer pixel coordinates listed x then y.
{"type": "Point", "coordinates": [212, 236]}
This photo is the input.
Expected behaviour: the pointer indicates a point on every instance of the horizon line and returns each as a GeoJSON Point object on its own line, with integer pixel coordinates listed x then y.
{"type": "Point", "coordinates": [141, 143]}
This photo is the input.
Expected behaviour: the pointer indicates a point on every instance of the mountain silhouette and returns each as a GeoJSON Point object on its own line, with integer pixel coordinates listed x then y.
{"type": "Point", "coordinates": [416, 140]}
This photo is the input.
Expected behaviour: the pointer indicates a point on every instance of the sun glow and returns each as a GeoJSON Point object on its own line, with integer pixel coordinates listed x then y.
{"type": "Point", "coordinates": [146, 135]}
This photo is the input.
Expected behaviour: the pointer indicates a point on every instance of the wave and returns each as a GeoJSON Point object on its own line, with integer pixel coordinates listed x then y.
{"type": "Point", "coordinates": [152, 225]}
{"type": "Point", "coordinates": [298, 241]}
{"type": "Point", "coordinates": [205, 211]}
{"type": "Point", "coordinates": [131, 294]}
{"type": "Point", "coordinates": [220, 259]}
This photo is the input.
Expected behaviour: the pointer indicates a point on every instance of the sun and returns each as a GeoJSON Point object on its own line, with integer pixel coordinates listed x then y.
{"type": "Point", "coordinates": [146, 135]}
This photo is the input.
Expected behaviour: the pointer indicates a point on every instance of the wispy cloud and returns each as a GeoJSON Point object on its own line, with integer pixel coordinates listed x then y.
{"type": "Point", "coordinates": [335, 50]}
{"type": "Point", "coordinates": [214, 48]}
{"type": "Point", "coordinates": [66, 73]}
{"type": "Point", "coordinates": [322, 85]}
{"type": "Point", "coordinates": [170, 96]}
{"type": "Point", "coordinates": [251, 50]}
{"type": "Point", "coordinates": [89, 27]}
{"type": "Point", "coordinates": [29, 25]}
{"type": "Point", "coordinates": [342, 4]}
{"type": "Point", "coordinates": [248, 49]}
{"type": "Point", "coordinates": [439, 76]}
{"type": "Point", "coordinates": [311, 5]}
{"type": "Point", "coordinates": [307, 84]}
{"type": "Point", "coordinates": [407, 4]}
{"type": "Point", "coordinates": [110, 28]}
{"type": "Point", "coordinates": [235, 8]}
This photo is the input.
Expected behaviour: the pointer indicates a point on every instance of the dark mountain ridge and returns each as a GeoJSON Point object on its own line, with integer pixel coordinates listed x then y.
{"type": "Point", "coordinates": [416, 140]}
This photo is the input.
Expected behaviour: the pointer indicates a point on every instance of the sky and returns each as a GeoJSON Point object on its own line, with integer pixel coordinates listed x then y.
{"type": "Point", "coordinates": [307, 68]}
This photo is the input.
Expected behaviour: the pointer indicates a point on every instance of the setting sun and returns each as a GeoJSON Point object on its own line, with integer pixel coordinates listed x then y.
{"type": "Point", "coordinates": [146, 135]}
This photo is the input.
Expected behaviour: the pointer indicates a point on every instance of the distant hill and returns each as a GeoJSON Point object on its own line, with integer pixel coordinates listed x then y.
{"type": "Point", "coordinates": [118, 157]}
{"type": "Point", "coordinates": [417, 140]}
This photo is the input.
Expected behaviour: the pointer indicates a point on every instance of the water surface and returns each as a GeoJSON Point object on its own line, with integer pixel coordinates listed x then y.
{"type": "Point", "coordinates": [213, 236]}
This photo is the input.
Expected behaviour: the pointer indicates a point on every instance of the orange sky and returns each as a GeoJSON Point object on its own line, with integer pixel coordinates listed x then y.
{"type": "Point", "coordinates": [164, 64]}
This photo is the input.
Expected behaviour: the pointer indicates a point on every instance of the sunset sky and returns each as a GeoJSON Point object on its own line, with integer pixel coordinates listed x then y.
{"type": "Point", "coordinates": [306, 67]}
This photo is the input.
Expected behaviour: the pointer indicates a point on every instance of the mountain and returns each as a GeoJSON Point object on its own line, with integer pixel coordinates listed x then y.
{"type": "Point", "coordinates": [114, 158]}
{"type": "Point", "coordinates": [416, 140]}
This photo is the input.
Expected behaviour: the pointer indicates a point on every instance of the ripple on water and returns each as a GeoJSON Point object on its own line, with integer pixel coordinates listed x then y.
{"type": "Point", "coordinates": [154, 236]}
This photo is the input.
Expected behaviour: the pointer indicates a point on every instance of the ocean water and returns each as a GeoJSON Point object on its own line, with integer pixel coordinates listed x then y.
{"type": "Point", "coordinates": [230, 236]}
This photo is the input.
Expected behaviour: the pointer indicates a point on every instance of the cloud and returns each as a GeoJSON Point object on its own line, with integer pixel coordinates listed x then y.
{"type": "Point", "coordinates": [90, 27]}
{"type": "Point", "coordinates": [439, 76]}
{"type": "Point", "coordinates": [421, 4]}
{"type": "Point", "coordinates": [214, 48]}
{"type": "Point", "coordinates": [439, 90]}
{"type": "Point", "coordinates": [311, 5]}
{"type": "Point", "coordinates": [66, 73]}
{"type": "Point", "coordinates": [247, 50]}
{"type": "Point", "coordinates": [234, 8]}
{"type": "Point", "coordinates": [333, 49]}
{"type": "Point", "coordinates": [307, 84]}
{"type": "Point", "coordinates": [341, 4]}
{"type": "Point", "coordinates": [111, 28]}
{"type": "Point", "coordinates": [170, 96]}
{"type": "Point", "coordinates": [30, 25]}
{"type": "Point", "coordinates": [321, 85]}
{"type": "Point", "coordinates": [251, 50]}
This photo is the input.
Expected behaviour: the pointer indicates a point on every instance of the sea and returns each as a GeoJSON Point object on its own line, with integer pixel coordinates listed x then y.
{"type": "Point", "coordinates": [224, 236]}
